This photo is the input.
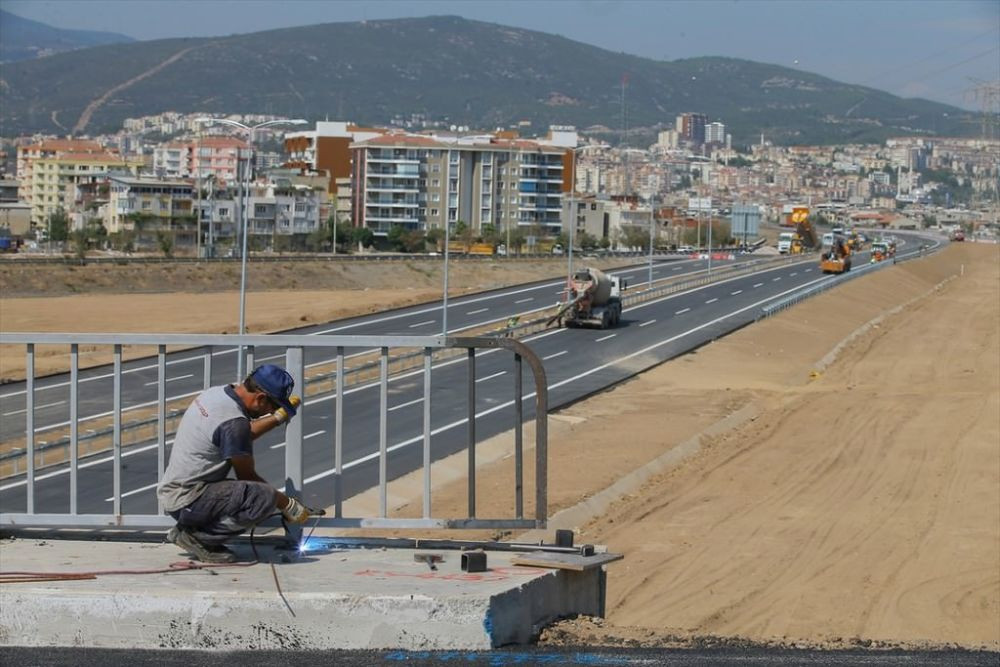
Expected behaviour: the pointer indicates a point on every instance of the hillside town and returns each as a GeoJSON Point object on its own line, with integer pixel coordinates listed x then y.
{"type": "Point", "coordinates": [180, 184]}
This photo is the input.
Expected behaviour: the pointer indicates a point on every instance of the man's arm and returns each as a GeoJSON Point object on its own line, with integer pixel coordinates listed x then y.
{"type": "Point", "coordinates": [245, 470]}
{"type": "Point", "coordinates": [262, 425]}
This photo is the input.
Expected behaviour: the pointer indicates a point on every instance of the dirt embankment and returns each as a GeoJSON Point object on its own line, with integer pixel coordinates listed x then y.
{"type": "Point", "coordinates": [857, 505]}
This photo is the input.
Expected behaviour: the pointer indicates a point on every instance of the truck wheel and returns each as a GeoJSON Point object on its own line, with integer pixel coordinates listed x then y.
{"type": "Point", "coordinates": [605, 319]}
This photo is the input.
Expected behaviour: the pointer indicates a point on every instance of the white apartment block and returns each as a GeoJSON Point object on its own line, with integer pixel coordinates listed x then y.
{"type": "Point", "coordinates": [421, 181]}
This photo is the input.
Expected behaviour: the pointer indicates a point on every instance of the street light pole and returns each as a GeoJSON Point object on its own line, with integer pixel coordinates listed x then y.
{"type": "Point", "coordinates": [652, 215]}
{"type": "Point", "coordinates": [245, 221]}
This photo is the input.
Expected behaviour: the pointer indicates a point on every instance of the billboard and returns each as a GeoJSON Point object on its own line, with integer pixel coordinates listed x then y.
{"type": "Point", "coordinates": [797, 215]}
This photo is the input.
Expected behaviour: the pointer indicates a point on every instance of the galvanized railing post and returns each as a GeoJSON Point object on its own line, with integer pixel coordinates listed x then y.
{"type": "Point", "coordinates": [383, 434]}
{"type": "Point", "coordinates": [116, 436]}
{"type": "Point", "coordinates": [518, 440]}
{"type": "Point", "coordinates": [161, 417]}
{"type": "Point", "coordinates": [29, 418]}
{"type": "Point", "coordinates": [471, 425]}
{"type": "Point", "coordinates": [206, 380]}
{"type": "Point", "coordinates": [74, 426]}
{"type": "Point", "coordinates": [338, 438]}
{"type": "Point", "coordinates": [294, 364]}
{"type": "Point", "coordinates": [428, 358]}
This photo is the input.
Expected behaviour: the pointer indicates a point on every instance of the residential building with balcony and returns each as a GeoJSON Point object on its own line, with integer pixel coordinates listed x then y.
{"type": "Point", "coordinates": [55, 180]}
{"type": "Point", "coordinates": [498, 180]}
{"type": "Point", "coordinates": [49, 148]}
{"type": "Point", "coordinates": [216, 157]}
{"type": "Point", "coordinates": [327, 150]}
{"type": "Point", "coordinates": [151, 206]}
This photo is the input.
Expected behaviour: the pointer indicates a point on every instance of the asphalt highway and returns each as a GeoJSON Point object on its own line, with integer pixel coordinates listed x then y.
{"type": "Point", "coordinates": [578, 363]}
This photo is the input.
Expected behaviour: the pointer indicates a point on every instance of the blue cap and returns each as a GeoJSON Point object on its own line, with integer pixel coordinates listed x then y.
{"type": "Point", "coordinates": [277, 384]}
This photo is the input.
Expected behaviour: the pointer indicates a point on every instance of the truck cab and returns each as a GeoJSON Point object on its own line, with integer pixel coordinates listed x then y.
{"type": "Point", "coordinates": [785, 240]}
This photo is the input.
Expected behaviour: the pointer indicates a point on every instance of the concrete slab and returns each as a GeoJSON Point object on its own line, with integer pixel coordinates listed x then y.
{"type": "Point", "coordinates": [329, 598]}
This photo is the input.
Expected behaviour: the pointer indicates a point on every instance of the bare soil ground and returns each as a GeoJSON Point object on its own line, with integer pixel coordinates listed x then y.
{"type": "Point", "coordinates": [859, 504]}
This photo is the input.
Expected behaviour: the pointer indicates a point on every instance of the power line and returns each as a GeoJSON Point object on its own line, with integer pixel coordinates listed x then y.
{"type": "Point", "coordinates": [926, 58]}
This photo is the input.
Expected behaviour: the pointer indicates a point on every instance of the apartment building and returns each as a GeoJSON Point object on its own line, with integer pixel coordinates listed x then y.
{"type": "Point", "coordinates": [327, 150]}
{"type": "Point", "coordinates": [208, 157]}
{"type": "Point", "coordinates": [55, 181]}
{"type": "Point", "coordinates": [150, 206]}
{"type": "Point", "coordinates": [48, 148]}
{"type": "Point", "coordinates": [691, 127]}
{"type": "Point", "coordinates": [497, 180]}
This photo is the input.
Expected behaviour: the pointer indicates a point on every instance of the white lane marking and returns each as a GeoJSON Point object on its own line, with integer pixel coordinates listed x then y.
{"type": "Point", "coordinates": [774, 280]}
{"type": "Point", "coordinates": [807, 271]}
{"type": "Point", "coordinates": [681, 311]}
{"type": "Point", "coordinates": [305, 437]}
{"type": "Point", "coordinates": [656, 273]}
{"type": "Point", "coordinates": [711, 300]}
{"type": "Point", "coordinates": [530, 298]}
{"type": "Point", "coordinates": [88, 464]}
{"type": "Point", "coordinates": [646, 324]}
{"type": "Point", "coordinates": [179, 377]}
{"type": "Point", "coordinates": [503, 406]}
{"type": "Point", "coordinates": [793, 274]}
{"type": "Point", "coordinates": [352, 325]}
{"type": "Point", "coordinates": [598, 340]}
{"type": "Point", "coordinates": [490, 377]}
{"type": "Point", "coordinates": [758, 284]}
{"type": "Point", "coordinates": [406, 405]}
{"type": "Point", "coordinates": [739, 291]}
{"type": "Point", "coordinates": [476, 312]}
{"type": "Point", "coordinates": [422, 324]}
{"type": "Point", "coordinates": [446, 427]}
{"type": "Point", "coordinates": [677, 268]}
{"type": "Point", "coordinates": [553, 356]}
{"type": "Point", "coordinates": [37, 407]}
{"type": "Point", "coordinates": [133, 492]}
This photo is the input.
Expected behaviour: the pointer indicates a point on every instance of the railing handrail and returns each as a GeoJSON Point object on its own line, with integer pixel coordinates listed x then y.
{"type": "Point", "coordinates": [294, 472]}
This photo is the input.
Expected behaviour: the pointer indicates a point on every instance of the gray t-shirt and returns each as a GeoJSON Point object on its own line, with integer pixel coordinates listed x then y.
{"type": "Point", "coordinates": [214, 428]}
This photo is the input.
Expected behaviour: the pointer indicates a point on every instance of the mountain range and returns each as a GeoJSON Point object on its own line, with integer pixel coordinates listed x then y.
{"type": "Point", "coordinates": [448, 68]}
{"type": "Point", "coordinates": [23, 39]}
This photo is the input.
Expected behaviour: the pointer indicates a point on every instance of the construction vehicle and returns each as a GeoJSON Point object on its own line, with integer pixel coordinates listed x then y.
{"type": "Point", "coordinates": [593, 298]}
{"type": "Point", "coordinates": [880, 251]}
{"type": "Point", "coordinates": [838, 258]}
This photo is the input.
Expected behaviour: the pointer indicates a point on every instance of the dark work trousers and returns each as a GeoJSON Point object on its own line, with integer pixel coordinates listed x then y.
{"type": "Point", "coordinates": [226, 509]}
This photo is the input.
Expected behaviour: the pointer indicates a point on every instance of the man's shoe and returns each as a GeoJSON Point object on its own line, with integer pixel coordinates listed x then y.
{"type": "Point", "coordinates": [202, 552]}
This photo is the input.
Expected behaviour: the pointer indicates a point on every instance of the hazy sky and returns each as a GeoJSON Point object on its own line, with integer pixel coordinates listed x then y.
{"type": "Point", "coordinates": [914, 48]}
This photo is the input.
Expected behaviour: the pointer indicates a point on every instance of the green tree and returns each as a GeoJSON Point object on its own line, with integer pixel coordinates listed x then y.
{"type": "Point", "coordinates": [79, 240]}
{"type": "Point", "coordinates": [587, 241]}
{"type": "Point", "coordinates": [928, 221]}
{"type": "Point", "coordinates": [434, 235]}
{"type": "Point", "coordinates": [362, 236]}
{"type": "Point", "coordinates": [58, 225]}
{"type": "Point", "coordinates": [395, 238]}
{"type": "Point", "coordinates": [165, 241]}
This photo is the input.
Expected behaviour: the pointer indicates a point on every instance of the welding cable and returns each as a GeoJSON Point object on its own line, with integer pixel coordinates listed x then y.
{"type": "Point", "coordinates": [17, 577]}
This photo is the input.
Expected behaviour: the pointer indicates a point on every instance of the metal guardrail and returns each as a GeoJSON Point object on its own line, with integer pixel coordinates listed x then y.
{"type": "Point", "coordinates": [294, 472]}
{"type": "Point", "coordinates": [856, 272]}
{"type": "Point", "coordinates": [11, 461]}
{"type": "Point", "coordinates": [258, 257]}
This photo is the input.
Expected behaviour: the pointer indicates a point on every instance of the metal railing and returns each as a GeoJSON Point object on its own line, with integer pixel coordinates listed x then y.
{"type": "Point", "coordinates": [837, 280]}
{"type": "Point", "coordinates": [450, 348]}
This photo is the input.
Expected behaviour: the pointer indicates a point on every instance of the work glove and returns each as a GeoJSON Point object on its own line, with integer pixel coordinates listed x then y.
{"type": "Point", "coordinates": [281, 414]}
{"type": "Point", "coordinates": [295, 512]}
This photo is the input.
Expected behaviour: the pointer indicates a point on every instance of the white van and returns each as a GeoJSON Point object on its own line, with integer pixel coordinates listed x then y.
{"type": "Point", "coordinates": [827, 241]}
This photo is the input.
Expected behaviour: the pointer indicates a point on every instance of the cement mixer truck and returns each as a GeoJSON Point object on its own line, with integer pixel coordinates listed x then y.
{"type": "Point", "coordinates": [593, 299]}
